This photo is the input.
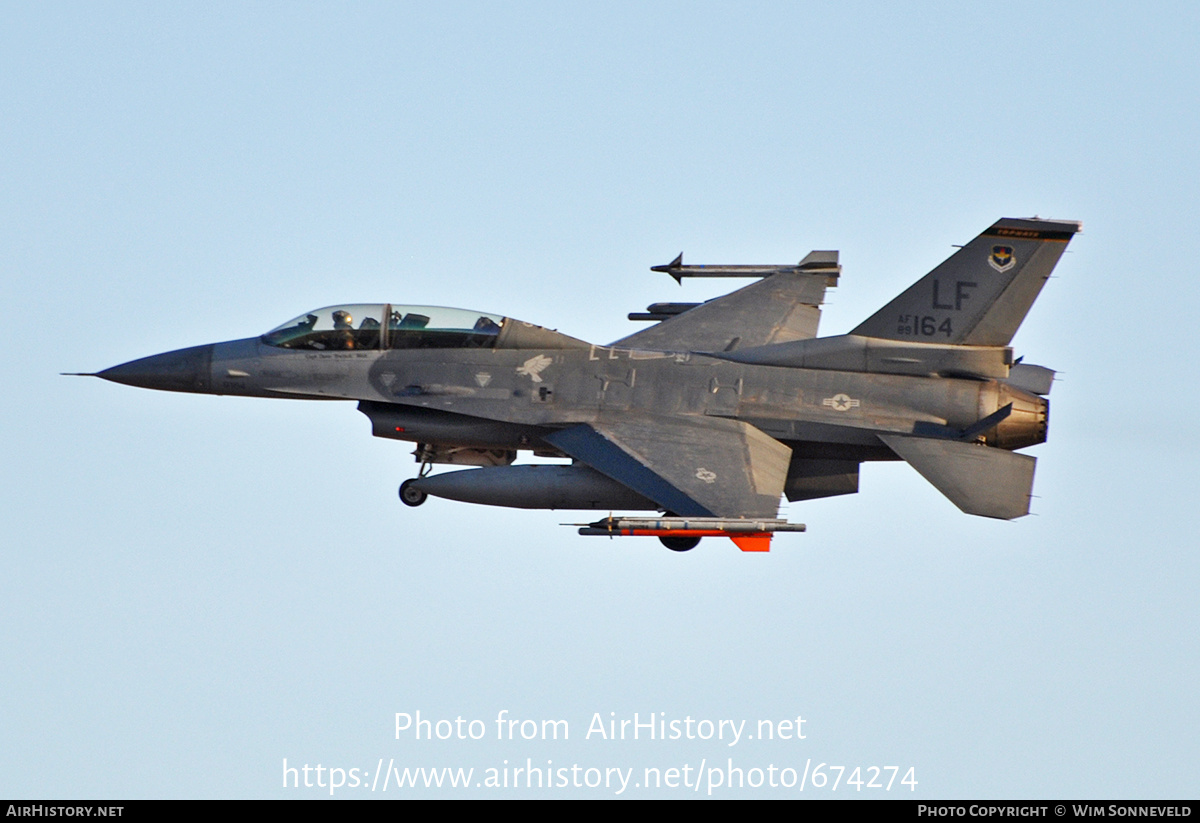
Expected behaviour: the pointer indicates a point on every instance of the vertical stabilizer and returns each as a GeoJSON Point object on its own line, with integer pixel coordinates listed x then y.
{"type": "Point", "coordinates": [980, 295]}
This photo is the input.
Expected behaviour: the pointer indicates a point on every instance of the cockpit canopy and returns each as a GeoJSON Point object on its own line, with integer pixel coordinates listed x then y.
{"type": "Point", "coordinates": [372, 326]}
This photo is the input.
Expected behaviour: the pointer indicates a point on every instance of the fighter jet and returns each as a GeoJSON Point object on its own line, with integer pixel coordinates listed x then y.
{"type": "Point", "coordinates": [705, 419]}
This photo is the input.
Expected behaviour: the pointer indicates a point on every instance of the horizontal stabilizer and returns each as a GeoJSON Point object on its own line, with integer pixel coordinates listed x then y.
{"type": "Point", "coordinates": [980, 480]}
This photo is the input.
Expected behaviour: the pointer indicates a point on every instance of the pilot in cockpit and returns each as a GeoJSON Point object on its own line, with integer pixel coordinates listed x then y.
{"type": "Point", "coordinates": [343, 322]}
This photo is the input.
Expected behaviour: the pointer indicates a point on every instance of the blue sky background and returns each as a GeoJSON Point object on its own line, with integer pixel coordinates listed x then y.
{"type": "Point", "coordinates": [194, 588]}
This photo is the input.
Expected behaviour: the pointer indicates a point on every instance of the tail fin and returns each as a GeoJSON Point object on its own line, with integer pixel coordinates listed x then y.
{"type": "Point", "coordinates": [980, 295]}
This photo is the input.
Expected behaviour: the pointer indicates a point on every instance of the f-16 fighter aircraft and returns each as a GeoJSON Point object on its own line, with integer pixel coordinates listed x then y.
{"type": "Point", "coordinates": [705, 419]}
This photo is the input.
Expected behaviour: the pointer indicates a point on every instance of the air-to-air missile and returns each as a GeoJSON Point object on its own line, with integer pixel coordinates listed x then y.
{"type": "Point", "coordinates": [708, 417]}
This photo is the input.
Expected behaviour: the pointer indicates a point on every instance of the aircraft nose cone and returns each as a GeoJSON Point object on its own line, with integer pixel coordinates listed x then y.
{"type": "Point", "coordinates": [183, 370]}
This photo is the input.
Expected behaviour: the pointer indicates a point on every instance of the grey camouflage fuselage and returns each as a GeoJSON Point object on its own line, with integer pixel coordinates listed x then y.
{"type": "Point", "coordinates": [712, 414]}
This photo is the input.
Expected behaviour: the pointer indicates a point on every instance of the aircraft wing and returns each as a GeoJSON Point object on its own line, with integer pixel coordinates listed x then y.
{"type": "Point", "coordinates": [776, 309]}
{"type": "Point", "coordinates": [691, 466]}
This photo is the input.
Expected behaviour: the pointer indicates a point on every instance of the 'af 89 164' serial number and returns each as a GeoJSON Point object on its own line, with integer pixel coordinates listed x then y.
{"type": "Point", "coordinates": [923, 325]}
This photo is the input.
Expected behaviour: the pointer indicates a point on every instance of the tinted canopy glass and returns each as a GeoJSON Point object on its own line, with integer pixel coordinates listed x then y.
{"type": "Point", "coordinates": [362, 326]}
{"type": "Point", "coordinates": [435, 327]}
{"type": "Point", "coordinates": [333, 328]}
